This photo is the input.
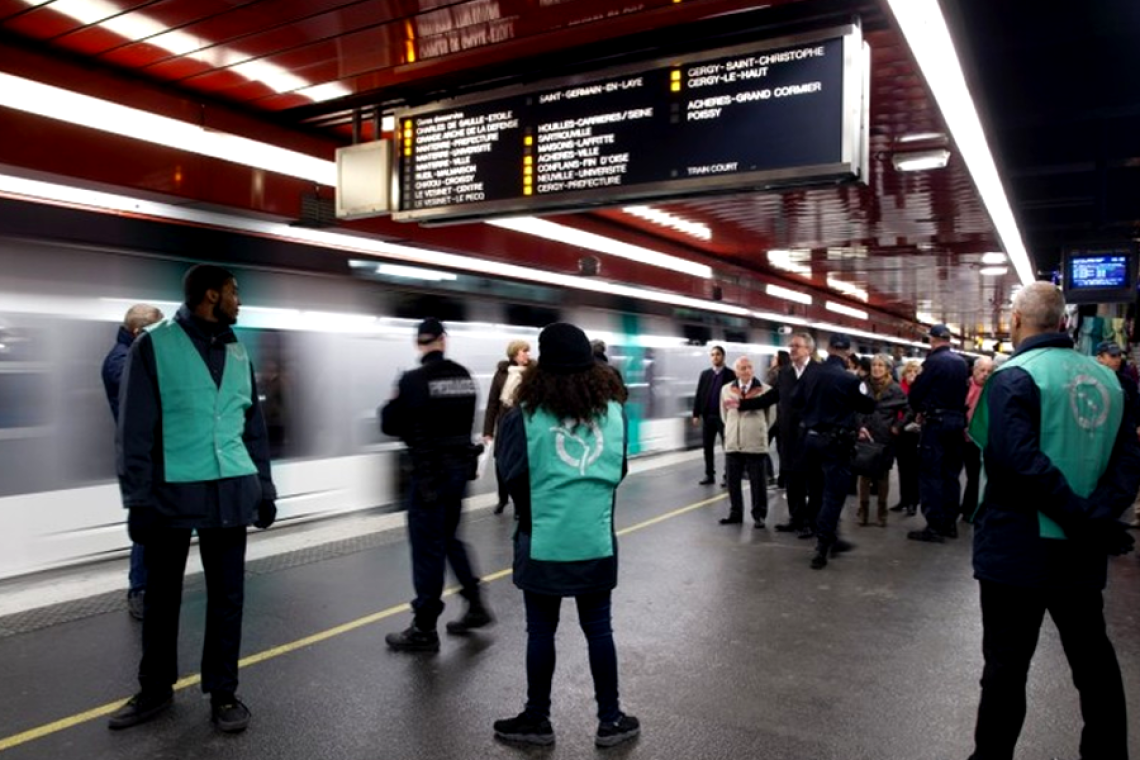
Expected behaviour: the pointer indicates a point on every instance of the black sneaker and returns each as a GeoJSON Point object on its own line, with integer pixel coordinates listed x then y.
{"type": "Point", "coordinates": [139, 709]}
{"type": "Point", "coordinates": [758, 524]}
{"type": "Point", "coordinates": [819, 559]}
{"type": "Point", "coordinates": [731, 520]}
{"type": "Point", "coordinates": [708, 481]}
{"type": "Point", "coordinates": [412, 639]}
{"type": "Point", "coordinates": [623, 729]}
{"type": "Point", "coordinates": [475, 617]}
{"type": "Point", "coordinates": [229, 714]}
{"type": "Point", "coordinates": [927, 535]}
{"type": "Point", "coordinates": [526, 730]}
{"type": "Point", "coordinates": [135, 604]}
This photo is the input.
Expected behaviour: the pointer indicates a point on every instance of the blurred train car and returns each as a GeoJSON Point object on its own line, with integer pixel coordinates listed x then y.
{"type": "Point", "coordinates": [327, 350]}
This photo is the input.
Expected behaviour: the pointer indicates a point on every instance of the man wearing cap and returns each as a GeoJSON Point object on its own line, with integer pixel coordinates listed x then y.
{"type": "Point", "coordinates": [828, 400]}
{"type": "Point", "coordinates": [938, 395]}
{"type": "Point", "coordinates": [433, 412]}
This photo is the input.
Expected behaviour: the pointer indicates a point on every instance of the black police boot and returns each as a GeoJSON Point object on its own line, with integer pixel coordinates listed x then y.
{"type": "Point", "coordinates": [476, 616]}
{"type": "Point", "coordinates": [819, 559]}
{"type": "Point", "coordinates": [926, 535]}
{"type": "Point", "coordinates": [413, 639]}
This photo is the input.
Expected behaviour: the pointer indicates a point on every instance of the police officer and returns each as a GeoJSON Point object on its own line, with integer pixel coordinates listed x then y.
{"type": "Point", "coordinates": [433, 412]}
{"type": "Point", "coordinates": [938, 395]}
{"type": "Point", "coordinates": [828, 400]}
{"type": "Point", "coordinates": [1062, 464]}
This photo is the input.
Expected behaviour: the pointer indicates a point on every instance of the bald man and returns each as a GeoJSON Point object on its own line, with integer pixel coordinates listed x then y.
{"type": "Point", "coordinates": [1061, 468]}
{"type": "Point", "coordinates": [138, 317]}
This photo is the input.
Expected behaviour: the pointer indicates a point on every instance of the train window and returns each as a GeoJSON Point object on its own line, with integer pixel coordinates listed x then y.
{"type": "Point", "coordinates": [22, 399]}
{"type": "Point", "coordinates": [522, 315]}
{"type": "Point", "coordinates": [421, 305]}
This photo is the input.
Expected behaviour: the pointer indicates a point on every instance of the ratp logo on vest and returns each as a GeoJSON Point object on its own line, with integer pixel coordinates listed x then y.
{"type": "Point", "coordinates": [1089, 402]}
{"type": "Point", "coordinates": [586, 451]}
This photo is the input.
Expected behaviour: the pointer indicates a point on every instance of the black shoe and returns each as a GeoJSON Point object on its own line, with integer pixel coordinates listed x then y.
{"type": "Point", "coordinates": [730, 520]}
{"type": "Point", "coordinates": [786, 528]}
{"type": "Point", "coordinates": [840, 546]}
{"type": "Point", "coordinates": [911, 511]}
{"type": "Point", "coordinates": [139, 709]}
{"type": "Point", "coordinates": [135, 604]}
{"type": "Point", "coordinates": [412, 639]}
{"type": "Point", "coordinates": [758, 524]}
{"type": "Point", "coordinates": [819, 559]}
{"type": "Point", "coordinates": [477, 616]}
{"type": "Point", "coordinates": [708, 481]}
{"type": "Point", "coordinates": [927, 535]}
{"type": "Point", "coordinates": [525, 730]}
{"type": "Point", "coordinates": [724, 484]}
{"type": "Point", "coordinates": [229, 714]}
{"type": "Point", "coordinates": [772, 483]}
{"type": "Point", "coordinates": [621, 730]}
{"type": "Point", "coordinates": [806, 533]}
{"type": "Point", "coordinates": [500, 507]}
{"type": "Point", "coordinates": [898, 507]}
{"type": "Point", "coordinates": [950, 531]}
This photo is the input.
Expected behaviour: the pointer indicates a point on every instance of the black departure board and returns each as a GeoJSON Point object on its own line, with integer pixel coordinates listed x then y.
{"type": "Point", "coordinates": [791, 110]}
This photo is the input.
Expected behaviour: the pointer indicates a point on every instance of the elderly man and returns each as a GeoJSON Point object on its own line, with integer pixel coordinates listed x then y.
{"type": "Point", "coordinates": [971, 454]}
{"type": "Point", "coordinates": [746, 442]}
{"type": "Point", "coordinates": [1061, 468]}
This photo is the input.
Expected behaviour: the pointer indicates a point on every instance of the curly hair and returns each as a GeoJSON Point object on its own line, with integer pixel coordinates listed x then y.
{"type": "Point", "coordinates": [580, 396]}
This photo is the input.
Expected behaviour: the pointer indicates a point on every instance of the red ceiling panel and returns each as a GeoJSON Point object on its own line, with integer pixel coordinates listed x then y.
{"type": "Point", "coordinates": [165, 14]}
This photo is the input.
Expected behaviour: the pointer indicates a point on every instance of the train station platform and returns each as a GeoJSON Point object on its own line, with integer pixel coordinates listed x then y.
{"type": "Point", "coordinates": [729, 646]}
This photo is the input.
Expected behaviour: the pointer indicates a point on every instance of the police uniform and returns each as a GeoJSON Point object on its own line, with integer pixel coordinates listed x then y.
{"type": "Point", "coordinates": [939, 394]}
{"type": "Point", "coordinates": [828, 400]}
{"type": "Point", "coordinates": [433, 413]}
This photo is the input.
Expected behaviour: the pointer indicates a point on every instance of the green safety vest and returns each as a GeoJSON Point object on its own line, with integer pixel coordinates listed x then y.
{"type": "Point", "coordinates": [1082, 405]}
{"type": "Point", "coordinates": [574, 469]}
{"type": "Point", "coordinates": [202, 424]}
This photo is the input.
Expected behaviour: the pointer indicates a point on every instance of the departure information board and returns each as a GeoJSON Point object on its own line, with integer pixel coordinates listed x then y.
{"type": "Point", "coordinates": [785, 111]}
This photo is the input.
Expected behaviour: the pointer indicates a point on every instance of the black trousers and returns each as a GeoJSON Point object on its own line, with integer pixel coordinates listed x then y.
{"type": "Point", "coordinates": [223, 559]}
{"type": "Point", "coordinates": [736, 463]}
{"type": "Point", "coordinates": [434, 512]}
{"type": "Point", "coordinates": [940, 468]}
{"type": "Point", "coordinates": [831, 456]}
{"type": "Point", "coordinates": [906, 452]}
{"type": "Point", "coordinates": [711, 427]}
{"type": "Point", "coordinates": [804, 491]}
{"type": "Point", "coordinates": [1011, 622]}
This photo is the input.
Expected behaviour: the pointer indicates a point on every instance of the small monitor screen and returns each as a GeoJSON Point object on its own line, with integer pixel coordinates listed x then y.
{"type": "Point", "coordinates": [1101, 271]}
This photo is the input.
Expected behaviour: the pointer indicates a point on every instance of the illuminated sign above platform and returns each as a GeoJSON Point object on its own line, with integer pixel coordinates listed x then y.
{"type": "Point", "coordinates": [763, 116]}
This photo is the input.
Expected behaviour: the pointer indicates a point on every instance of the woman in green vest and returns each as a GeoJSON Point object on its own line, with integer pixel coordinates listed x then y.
{"type": "Point", "coordinates": [562, 451]}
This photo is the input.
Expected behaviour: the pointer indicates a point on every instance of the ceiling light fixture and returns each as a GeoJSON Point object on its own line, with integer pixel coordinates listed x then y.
{"type": "Point", "coordinates": [672, 221]}
{"type": "Point", "coordinates": [788, 295]}
{"type": "Point", "coordinates": [994, 258]}
{"type": "Point", "coordinates": [797, 262]}
{"type": "Point", "coordinates": [993, 271]}
{"type": "Point", "coordinates": [561, 233]}
{"type": "Point", "coordinates": [920, 160]}
{"type": "Point", "coordinates": [86, 111]}
{"type": "Point", "coordinates": [839, 308]}
{"type": "Point", "coordinates": [414, 273]}
{"type": "Point", "coordinates": [915, 137]}
{"type": "Point", "coordinates": [847, 288]}
{"type": "Point", "coordinates": [928, 38]}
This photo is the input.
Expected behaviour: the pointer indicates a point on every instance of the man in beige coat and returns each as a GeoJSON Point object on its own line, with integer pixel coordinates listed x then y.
{"type": "Point", "coordinates": [746, 443]}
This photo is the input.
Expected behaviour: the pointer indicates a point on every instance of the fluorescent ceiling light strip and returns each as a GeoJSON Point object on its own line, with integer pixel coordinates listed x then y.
{"type": "Point", "coordinates": [788, 295]}
{"type": "Point", "coordinates": [665, 219]}
{"type": "Point", "coordinates": [84, 110]}
{"type": "Point", "coordinates": [25, 188]}
{"type": "Point", "coordinates": [929, 40]}
{"type": "Point", "coordinates": [414, 273]}
{"type": "Point", "coordinates": [839, 308]}
{"type": "Point", "coordinates": [993, 258]}
{"type": "Point", "coordinates": [790, 261]}
{"type": "Point", "coordinates": [847, 288]}
{"type": "Point", "coordinates": [561, 233]}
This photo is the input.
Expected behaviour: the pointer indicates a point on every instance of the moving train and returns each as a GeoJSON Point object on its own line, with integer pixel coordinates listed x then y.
{"type": "Point", "coordinates": [327, 350]}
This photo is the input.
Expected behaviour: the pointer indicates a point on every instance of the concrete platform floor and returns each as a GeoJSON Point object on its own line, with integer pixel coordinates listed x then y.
{"type": "Point", "coordinates": [729, 647]}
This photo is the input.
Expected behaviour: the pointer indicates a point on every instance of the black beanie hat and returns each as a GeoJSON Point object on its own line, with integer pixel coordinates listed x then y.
{"type": "Point", "coordinates": [564, 349]}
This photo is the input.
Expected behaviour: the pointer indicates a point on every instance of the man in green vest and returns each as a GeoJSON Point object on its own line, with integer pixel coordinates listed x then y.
{"type": "Point", "coordinates": [1060, 469]}
{"type": "Point", "coordinates": [193, 456]}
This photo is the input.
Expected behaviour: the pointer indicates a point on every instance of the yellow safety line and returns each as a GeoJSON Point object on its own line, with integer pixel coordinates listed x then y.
{"type": "Point", "coordinates": [268, 654]}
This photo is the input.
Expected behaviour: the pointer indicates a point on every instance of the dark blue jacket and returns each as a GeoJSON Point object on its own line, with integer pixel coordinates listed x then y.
{"type": "Point", "coordinates": [1021, 480]}
{"type": "Point", "coordinates": [113, 368]}
{"type": "Point", "coordinates": [942, 384]}
{"type": "Point", "coordinates": [829, 398]}
{"type": "Point", "coordinates": [228, 502]}
{"type": "Point", "coordinates": [555, 579]}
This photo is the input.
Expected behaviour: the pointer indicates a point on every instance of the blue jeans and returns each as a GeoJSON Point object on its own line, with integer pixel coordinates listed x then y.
{"type": "Point", "coordinates": [136, 578]}
{"type": "Point", "coordinates": [434, 511]}
{"type": "Point", "coordinates": [541, 624]}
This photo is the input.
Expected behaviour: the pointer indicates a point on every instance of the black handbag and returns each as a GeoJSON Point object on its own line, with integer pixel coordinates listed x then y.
{"type": "Point", "coordinates": [871, 459]}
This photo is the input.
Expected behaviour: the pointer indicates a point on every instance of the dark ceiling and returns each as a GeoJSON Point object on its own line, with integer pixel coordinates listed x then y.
{"type": "Point", "coordinates": [1056, 89]}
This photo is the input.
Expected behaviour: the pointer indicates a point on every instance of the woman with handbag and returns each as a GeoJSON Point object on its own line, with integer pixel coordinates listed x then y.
{"type": "Point", "coordinates": [880, 427]}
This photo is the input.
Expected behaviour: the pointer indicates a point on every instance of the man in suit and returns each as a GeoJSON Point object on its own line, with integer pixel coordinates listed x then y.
{"type": "Point", "coordinates": [706, 408]}
{"type": "Point", "coordinates": [803, 490]}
